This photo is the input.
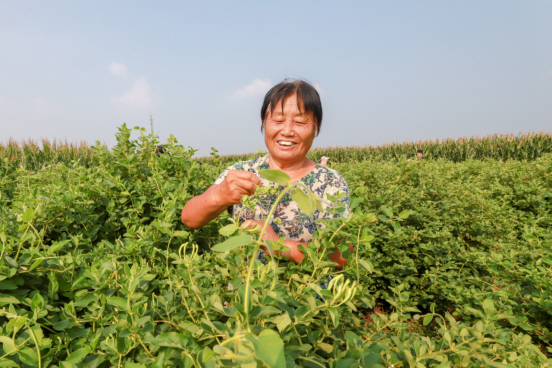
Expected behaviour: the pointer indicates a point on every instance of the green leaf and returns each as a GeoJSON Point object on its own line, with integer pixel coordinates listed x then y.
{"type": "Point", "coordinates": [63, 325]}
{"type": "Point", "coordinates": [428, 319]}
{"type": "Point", "coordinates": [354, 338]}
{"type": "Point", "coordinates": [8, 299]}
{"type": "Point", "coordinates": [388, 212]}
{"type": "Point", "coordinates": [38, 302]}
{"type": "Point", "coordinates": [372, 359]}
{"type": "Point", "coordinates": [404, 214]}
{"type": "Point", "coordinates": [7, 285]}
{"type": "Point", "coordinates": [181, 234]}
{"type": "Point", "coordinates": [269, 348]}
{"type": "Point", "coordinates": [93, 361]}
{"type": "Point", "coordinates": [28, 356]}
{"type": "Point", "coordinates": [228, 230]}
{"type": "Point", "coordinates": [78, 355]}
{"type": "Point", "coordinates": [160, 360]}
{"type": "Point", "coordinates": [319, 206]}
{"type": "Point", "coordinates": [236, 241]}
{"type": "Point", "coordinates": [129, 364]}
{"type": "Point", "coordinates": [170, 339]}
{"type": "Point", "coordinates": [276, 176]}
{"type": "Point", "coordinates": [8, 344]}
{"type": "Point", "coordinates": [355, 201]}
{"type": "Point", "coordinates": [36, 263]}
{"type": "Point", "coordinates": [19, 321]}
{"type": "Point", "coordinates": [303, 201]}
{"type": "Point", "coordinates": [28, 215]}
{"type": "Point", "coordinates": [366, 264]}
{"type": "Point", "coordinates": [345, 363]}
{"type": "Point", "coordinates": [10, 262]}
{"type": "Point", "coordinates": [86, 299]}
{"type": "Point", "coordinates": [489, 307]}
{"type": "Point", "coordinates": [118, 302]}
{"type": "Point", "coordinates": [8, 363]}
{"type": "Point", "coordinates": [282, 321]}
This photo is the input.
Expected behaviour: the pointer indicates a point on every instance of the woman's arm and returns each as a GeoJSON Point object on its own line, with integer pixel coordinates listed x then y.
{"type": "Point", "coordinates": [200, 210]}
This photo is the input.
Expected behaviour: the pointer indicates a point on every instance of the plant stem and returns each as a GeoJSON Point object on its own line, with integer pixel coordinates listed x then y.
{"type": "Point", "coordinates": [37, 347]}
{"type": "Point", "coordinates": [168, 248]}
{"type": "Point", "coordinates": [252, 263]}
{"type": "Point", "coordinates": [356, 256]}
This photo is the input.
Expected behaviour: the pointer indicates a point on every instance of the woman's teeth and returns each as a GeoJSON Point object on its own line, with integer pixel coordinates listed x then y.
{"type": "Point", "coordinates": [285, 143]}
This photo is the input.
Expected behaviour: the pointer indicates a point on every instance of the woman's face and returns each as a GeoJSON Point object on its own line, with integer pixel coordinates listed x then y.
{"type": "Point", "coordinates": [288, 132]}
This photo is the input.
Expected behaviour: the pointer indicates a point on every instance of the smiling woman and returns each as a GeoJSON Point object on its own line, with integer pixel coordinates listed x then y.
{"type": "Point", "coordinates": [291, 118]}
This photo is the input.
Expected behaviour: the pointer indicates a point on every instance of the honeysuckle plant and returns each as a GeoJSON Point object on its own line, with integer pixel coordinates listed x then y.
{"type": "Point", "coordinates": [451, 268]}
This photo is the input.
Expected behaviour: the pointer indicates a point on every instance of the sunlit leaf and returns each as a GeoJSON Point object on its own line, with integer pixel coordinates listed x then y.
{"type": "Point", "coordinates": [120, 303]}
{"type": "Point", "coordinates": [269, 348]}
{"type": "Point", "coordinates": [303, 201]}
{"type": "Point", "coordinates": [28, 356]}
{"type": "Point", "coordinates": [276, 176]}
{"type": "Point", "coordinates": [28, 215]}
{"type": "Point", "coordinates": [38, 302]}
{"type": "Point", "coordinates": [404, 214]}
{"type": "Point", "coordinates": [367, 265]}
{"type": "Point", "coordinates": [78, 355]}
{"type": "Point", "coordinates": [234, 242]}
{"type": "Point", "coordinates": [62, 325]}
{"type": "Point", "coordinates": [428, 319]}
{"type": "Point", "coordinates": [228, 230]}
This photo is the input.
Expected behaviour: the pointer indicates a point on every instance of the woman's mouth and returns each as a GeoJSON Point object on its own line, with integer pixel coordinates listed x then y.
{"type": "Point", "coordinates": [286, 143]}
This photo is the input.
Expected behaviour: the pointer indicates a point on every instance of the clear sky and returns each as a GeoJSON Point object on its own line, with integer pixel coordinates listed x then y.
{"type": "Point", "coordinates": [387, 70]}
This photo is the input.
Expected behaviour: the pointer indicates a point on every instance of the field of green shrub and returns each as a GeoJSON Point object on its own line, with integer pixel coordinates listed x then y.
{"type": "Point", "coordinates": [451, 267]}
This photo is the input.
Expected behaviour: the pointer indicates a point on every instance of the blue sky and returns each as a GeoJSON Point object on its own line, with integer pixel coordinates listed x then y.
{"type": "Point", "coordinates": [387, 70]}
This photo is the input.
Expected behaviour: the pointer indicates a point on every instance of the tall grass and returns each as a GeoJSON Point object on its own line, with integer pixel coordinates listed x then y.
{"type": "Point", "coordinates": [32, 155]}
{"type": "Point", "coordinates": [504, 147]}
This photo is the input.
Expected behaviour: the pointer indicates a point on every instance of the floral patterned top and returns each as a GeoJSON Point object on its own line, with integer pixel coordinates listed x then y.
{"type": "Point", "coordinates": [295, 224]}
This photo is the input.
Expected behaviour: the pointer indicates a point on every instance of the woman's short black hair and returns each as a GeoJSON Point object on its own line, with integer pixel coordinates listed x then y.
{"type": "Point", "coordinates": [308, 100]}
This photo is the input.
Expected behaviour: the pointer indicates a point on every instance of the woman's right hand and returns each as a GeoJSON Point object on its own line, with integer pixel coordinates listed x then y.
{"type": "Point", "coordinates": [199, 210]}
{"type": "Point", "coordinates": [236, 185]}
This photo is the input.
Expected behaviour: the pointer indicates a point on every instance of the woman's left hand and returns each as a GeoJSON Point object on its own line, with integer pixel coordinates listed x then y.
{"type": "Point", "coordinates": [269, 234]}
{"type": "Point", "coordinates": [294, 254]}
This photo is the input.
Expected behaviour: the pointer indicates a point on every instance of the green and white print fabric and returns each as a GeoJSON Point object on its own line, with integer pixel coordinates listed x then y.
{"type": "Point", "coordinates": [295, 224]}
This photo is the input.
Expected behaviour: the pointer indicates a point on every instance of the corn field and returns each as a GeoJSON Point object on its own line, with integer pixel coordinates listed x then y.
{"type": "Point", "coordinates": [30, 155]}
{"type": "Point", "coordinates": [503, 147]}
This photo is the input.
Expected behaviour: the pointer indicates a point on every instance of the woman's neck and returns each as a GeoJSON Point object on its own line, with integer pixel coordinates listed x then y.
{"type": "Point", "coordinates": [296, 170]}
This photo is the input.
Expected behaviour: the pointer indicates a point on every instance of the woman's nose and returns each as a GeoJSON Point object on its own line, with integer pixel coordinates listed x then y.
{"type": "Point", "coordinates": [287, 128]}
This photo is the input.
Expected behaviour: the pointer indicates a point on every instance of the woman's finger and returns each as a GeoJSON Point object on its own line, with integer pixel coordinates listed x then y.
{"type": "Point", "coordinates": [247, 186]}
{"type": "Point", "coordinates": [246, 175]}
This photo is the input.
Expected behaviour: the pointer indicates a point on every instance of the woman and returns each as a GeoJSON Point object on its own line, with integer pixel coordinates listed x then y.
{"type": "Point", "coordinates": [291, 118]}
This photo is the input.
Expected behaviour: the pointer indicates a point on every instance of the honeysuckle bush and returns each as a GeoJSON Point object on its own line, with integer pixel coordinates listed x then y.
{"type": "Point", "coordinates": [450, 268]}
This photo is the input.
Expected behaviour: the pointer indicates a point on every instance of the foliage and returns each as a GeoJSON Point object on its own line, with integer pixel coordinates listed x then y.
{"type": "Point", "coordinates": [451, 267]}
{"type": "Point", "coordinates": [498, 146]}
